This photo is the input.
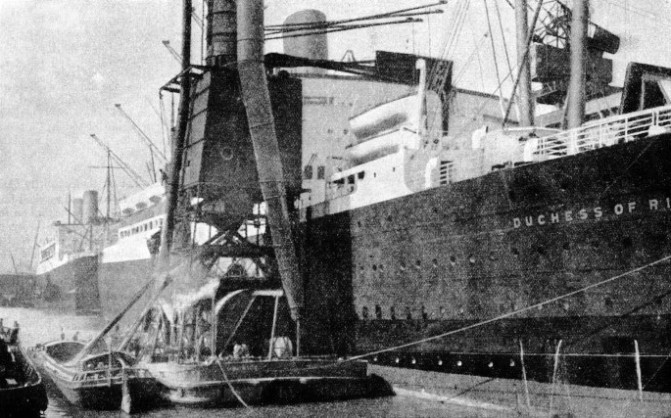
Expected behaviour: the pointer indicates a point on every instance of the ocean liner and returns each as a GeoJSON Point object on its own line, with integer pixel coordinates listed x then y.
{"type": "Point", "coordinates": [429, 237]}
{"type": "Point", "coordinates": [68, 259]}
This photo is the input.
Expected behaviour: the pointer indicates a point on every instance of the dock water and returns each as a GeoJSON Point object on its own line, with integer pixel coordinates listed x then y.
{"type": "Point", "coordinates": [41, 326]}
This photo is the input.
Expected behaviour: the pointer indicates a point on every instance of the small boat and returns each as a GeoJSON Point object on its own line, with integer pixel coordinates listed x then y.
{"type": "Point", "coordinates": [217, 382]}
{"type": "Point", "coordinates": [98, 381]}
{"type": "Point", "coordinates": [240, 350]}
{"type": "Point", "coordinates": [93, 376]}
{"type": "Point", "coordinates": [22, 393]}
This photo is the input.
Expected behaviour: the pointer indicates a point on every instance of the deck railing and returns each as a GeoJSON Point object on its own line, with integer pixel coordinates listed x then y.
{"type": "Point", "coordinates": [604, 133]}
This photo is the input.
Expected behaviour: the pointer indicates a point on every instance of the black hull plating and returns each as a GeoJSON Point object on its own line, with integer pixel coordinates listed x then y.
{"type": "Point", "coordinates": [71, 287]}
{"type": "Point", "coordinates": [441, 259]}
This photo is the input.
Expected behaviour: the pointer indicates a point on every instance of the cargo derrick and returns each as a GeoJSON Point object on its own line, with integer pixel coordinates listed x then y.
{"type": "Point", "coordinates": [550, 56]}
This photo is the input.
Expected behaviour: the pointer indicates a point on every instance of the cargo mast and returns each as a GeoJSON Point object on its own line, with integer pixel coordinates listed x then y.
{"type": "Point", "coordinates": [576, 91]}
{"type": "Point", "coordinates": [178, 141]}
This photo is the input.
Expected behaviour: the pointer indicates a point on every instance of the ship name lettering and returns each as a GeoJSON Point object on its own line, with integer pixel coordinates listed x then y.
{"type": "Point", "coordinates": [597, 212]}
{"type": "Point", "coordinates": [568, 215]}
{"type": "Point", "coordinates": [584, 214]}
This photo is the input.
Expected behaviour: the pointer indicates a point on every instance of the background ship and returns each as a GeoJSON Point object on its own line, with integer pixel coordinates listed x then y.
{"type": "Point", "coordinates": [68, 259]}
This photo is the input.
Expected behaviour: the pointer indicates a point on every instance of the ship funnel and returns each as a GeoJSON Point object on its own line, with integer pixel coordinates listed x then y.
{"type": "Point", "coordinates": [90, 207]}
{"type": "Point", "coordinates": [221, 32]}
{"type": "Point", "coordinates": [77, 211]}
{"type": "Point", "coordinates": [314, 46]}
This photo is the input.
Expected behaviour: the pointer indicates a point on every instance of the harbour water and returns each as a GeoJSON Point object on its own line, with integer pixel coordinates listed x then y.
{"type": "Point", "coordinates": [40, 327]}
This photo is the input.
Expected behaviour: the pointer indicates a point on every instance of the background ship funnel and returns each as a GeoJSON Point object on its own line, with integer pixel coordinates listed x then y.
{"type": "Point", "coordinates": [89, 207]}
{"type": "Point", "coordinates": [77, 210]}
{"type": "Point", "coordinates": [256, 97]}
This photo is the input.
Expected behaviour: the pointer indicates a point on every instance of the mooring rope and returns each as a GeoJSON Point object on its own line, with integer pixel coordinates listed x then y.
{"type": "Point", "coordinates": [509, 314]}
{"type": "Point", "coordinates": [228, 382]}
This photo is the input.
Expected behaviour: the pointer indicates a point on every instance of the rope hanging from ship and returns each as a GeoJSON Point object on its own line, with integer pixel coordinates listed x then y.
{"type": "Point", "coordinates": [512, 313]}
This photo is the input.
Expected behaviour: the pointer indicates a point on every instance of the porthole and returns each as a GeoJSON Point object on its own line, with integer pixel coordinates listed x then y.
{"type": "Point", "coordinates": [364, 312]}
{"type": "Point", "coordinates": [566, 246]}
{"type": "Point", "coordinates": [392, 312]}
{"type": "Point", "coordinates": [402, 265]}
{"type": "Point", "coordinates": [453, 260]}
{"type": "Point", "coordinates": [515, 252]}
{"type": "Point", "coordinates": [608, 302]}
{"type": "Point", "coordinates": [418, 264]}
{"type": "Point", "coordinates": [358, 223]}
{"type": "Point", "coordinates": [540, 251]}
{"type": "Point", "coordinates": [434, 262]}
{"type": "Point", "coordinates": [408, 313]}
{"type": "Point", "coordinates": [374, 267]}
{"type": "Point", "coordinates": [381, 267]}
{"type": "Point", "coordinates": [378, 312]}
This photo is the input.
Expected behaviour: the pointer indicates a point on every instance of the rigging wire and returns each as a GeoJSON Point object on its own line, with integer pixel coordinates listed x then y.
{"type": "Point", "coordinates": [476, 53]}
{"type": "Point", "coordinates": [503, 37]}
{"type": "Point", "coordinates": [496, 61]}
{"type": "Point", "coordinates": [524, 60]}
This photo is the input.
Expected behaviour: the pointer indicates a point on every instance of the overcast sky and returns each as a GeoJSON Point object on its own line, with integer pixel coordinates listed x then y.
{"type": "Point", "coordinates": [65, 63]}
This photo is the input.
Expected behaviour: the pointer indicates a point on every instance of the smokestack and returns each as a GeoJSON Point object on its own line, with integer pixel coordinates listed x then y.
{"type": "Point", "coordinates": [90, 207]}
{"type": "Point", "coordinates": [221, 32]}
{"type": "Point", "coordinates": [77, 211]}
{"type": "Point", "coordinates": [313, 46]}
{"type": "Point", "coordinates": [256, 98]}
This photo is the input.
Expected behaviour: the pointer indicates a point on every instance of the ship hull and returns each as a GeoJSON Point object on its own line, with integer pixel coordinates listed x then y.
{"type": "Point", "coordinates": [119, 282]}
{"type": "Point", "coordinates": [71, 287]}
{"type": "Point", "coordinates": [515, 397]}
{"type": "Point", "coordinates": [488, 262]}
